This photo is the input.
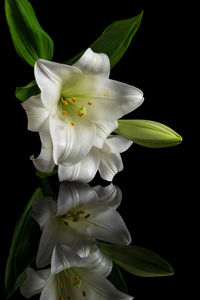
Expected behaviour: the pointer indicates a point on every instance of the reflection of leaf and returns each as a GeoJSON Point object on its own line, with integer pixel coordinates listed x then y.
{"type": "Point", "coordinates": [30, 40]}
{"type": "Point", "coordinates": [114, 40]}
{"type": "Point", "coordinates": [117, 279]}
{"type": "Point", "coordinates": [137, 260]}
{"type": "Point", "coordinates": [23, 248]}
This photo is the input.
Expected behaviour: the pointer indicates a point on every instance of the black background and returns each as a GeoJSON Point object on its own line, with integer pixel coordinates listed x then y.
{"type": "Point", "coordinates": [157, 200]}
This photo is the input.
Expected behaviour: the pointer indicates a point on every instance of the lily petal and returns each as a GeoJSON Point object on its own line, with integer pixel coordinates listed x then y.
{"type": "Point", "coordinates": [67, 148]}
{"type": "Point", "coordinates": [34, 282]}
{"type": "Point", "coordinates": [116, 144]}
{"type": "Point", "coordinates": [83, 171]}
{"type": "Point", "coordinates": [54, 233]}
{"type": "Point", "coordinates": [48, 241]}
{"type": "Point", "coordinates": [64, 257]}
{"type": "Point", "coordinates": [96, 260]}
{"type": "Point", "coordinates": [110, 99]}
{"type": "Point", "coordinates": [36, 113]}
{"type": "Point", "coordinates": [50, 291]}
{"type": "Point", "coordinates": [103, 131]}
{"type": "Point", "coordinates": [43, 209]}
{"type": "Point", "coordinates": [44, 162]}
{"type": "Point", "coordinates": [96, 285]}
{"type": "Point", "coordinates": [105, 224]}
{"type": "Point", "coordinates": [110, 195]}
{"type": "Point", "coordinates": [94, 63]}
{"type": "Point", "coordinates": [110, 165]}
{"type": "Point", "coordinates": [72, 195]}
{"type": "Point", "coordinates": [51, 77]}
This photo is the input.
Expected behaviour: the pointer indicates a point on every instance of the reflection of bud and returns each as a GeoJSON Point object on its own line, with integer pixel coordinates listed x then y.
{"type": "Point", "coordinates": [148, 133]}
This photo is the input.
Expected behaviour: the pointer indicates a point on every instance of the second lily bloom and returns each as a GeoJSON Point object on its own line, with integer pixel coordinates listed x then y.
{"type": "Point", "coordinates": [75, 114]}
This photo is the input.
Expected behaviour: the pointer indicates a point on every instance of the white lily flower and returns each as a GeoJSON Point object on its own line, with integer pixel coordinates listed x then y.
{"type": "Point", "coordinates": [73, 275]}
{"type": "Point", "coordinates": [81, 212]}
{"type": "Point", "coordinates": [77, 109]}
{"type": "Point", "coordinates": [106, 160]}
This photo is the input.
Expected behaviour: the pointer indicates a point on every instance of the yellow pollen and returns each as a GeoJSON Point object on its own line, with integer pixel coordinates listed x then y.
{"type": "Point", "coordinates": [81, 115]}
{"type": "Point", "coordinates": [65, 102]}
{"type": "Point", "coordinates": [84, 293]}
{"type": "Point", "coordinates": [106, 94]}
{"type": "Point", "coordinates": [73, 99]}
{"type": "Point", "coordinates": [64, 112]}
{"type": "Point", "coordinates": [90, 103]}
{"type": "Point", "coordinates": [73, 123]}
{"type": "Point", "coordinates": [60, 284]}
{"type": "Point", "coordinates": [69, 277]}
{"type": "Point", "coordinates": [61, 297]}
{"type": "Point", "coordinates": [76, 279]}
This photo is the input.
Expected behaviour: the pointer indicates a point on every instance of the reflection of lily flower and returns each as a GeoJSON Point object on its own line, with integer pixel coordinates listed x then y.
{"type": "Point", "coordinates": [73, 275]}
{"type": "Point", "coordinates": [80, 212]}
{"type": "Point", "coordinates": [77, 109]}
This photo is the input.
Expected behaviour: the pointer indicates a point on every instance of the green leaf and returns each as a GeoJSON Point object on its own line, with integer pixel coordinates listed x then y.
{"type": "Point", "coordinates": [115, 39]}
{"type": "Point", "coordinates": [149, 134]}
{"type": "Point", "coordinates": [42, 175]}
{"type": "Point", "coordinates": [25, 92]}
{"type": "Point", "coordinates": [117, 279]}
{"type": "Point", "coordinates": [137, 260]}
{"type": "Point", "coordinates": [30, 40]}
{"type": "Point", "coordinates": [22, 250]}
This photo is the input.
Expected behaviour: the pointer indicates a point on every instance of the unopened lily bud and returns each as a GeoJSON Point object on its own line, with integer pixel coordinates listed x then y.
{"type": "Point", "coordinates": [148, 133]}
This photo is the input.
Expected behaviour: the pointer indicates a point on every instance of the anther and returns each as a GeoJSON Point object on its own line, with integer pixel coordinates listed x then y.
{"type": "Point", "coordinates": [69, 297]}
{"type": "Point", "coordinates": [84, 293]}
{"type": "Point", "coordinates": [106, 94]}
{"type": "Point", "coordinates": [75, 220]}
{"type": "Point", "coordinates": [69, 277]}
{"type": "Point", "coordinates": [87, 216]}
{"type": "Point", "coordinates": [73, 99]}
{"type": "Point", "coordinates": [66, 223]}
{"type": "Point", "coordinates": [76, 279]}
{"type": "Point", "coordinates": [80, 115]}
{"type": "Point", "coordinates": [89, 103]}
{"type": "Point", "coordinates": [64, 112]}
{"type": "Point", "coordinates": [65, 102]}
{"type": "Point", "coordinates": [61, 297]}
{"type": "Point", "coordinates": [60, 284]}
{"type": "Point", "coordinates": [81, 211]}
{"type": "Point", "coordinates": [73, 123]}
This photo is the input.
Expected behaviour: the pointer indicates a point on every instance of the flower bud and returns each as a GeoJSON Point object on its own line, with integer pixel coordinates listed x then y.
{"type": "Point", "coordinates": [149, 134]}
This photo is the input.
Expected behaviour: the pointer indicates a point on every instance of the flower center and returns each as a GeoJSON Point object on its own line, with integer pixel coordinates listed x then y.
{"type": "Point", "coordinates": [74, 216]}
{"type": "Point", "coordinates": [71, 107]}
{"type": "Point", "coordinates": [66, 281]}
